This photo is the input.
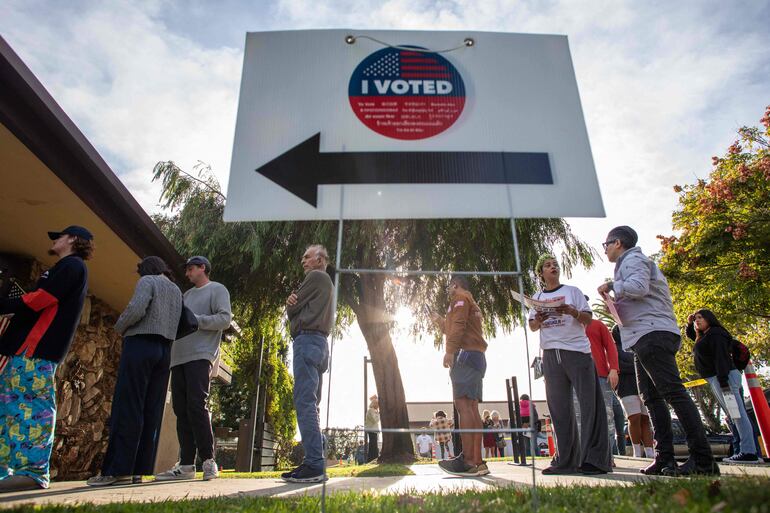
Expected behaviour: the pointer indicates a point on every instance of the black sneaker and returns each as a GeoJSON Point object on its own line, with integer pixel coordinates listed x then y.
{"type": "Point", "coordinates": [591, 470]}
{"type": "Point", "coordinates": [304, 474]}
{"type": "Point", "coordinates": [690, 468]}
{"type": "Point", "coordinates": [744, 458]}
{"type": "Point", "coordinates": [459, 467]}
{"type": "Point", "coordinates": [553, 470]}
{"type": "Point", "coordinates": [660, 467]}
{"type": "Point", "coordinates": [287, 475]}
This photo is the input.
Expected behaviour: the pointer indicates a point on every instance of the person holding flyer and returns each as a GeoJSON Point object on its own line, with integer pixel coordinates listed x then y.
{"type": "Point", "coordinates": [713, 360]}
{"type": "Point", "coordinates": [567, 364]}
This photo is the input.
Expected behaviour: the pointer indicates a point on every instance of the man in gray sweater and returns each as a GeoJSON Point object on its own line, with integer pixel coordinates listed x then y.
{"type": "Point", "coordinates": [311, 315]}
{"type": "Point", "coordinates": [650, 331]}
{"type": "Point", "coordinates": [192, 358]}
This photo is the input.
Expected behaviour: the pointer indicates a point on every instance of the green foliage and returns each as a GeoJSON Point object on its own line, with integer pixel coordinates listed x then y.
{"type": "Point", "coordinates": [602, 313]}
{"type": "Point", "coordinates": [256, 260]}
{"type": "Point", "coordinates": [720, 259]}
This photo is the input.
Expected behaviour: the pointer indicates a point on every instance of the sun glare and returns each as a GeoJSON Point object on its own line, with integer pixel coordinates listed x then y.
{"type": "Point", "coordinates": [403, 317]}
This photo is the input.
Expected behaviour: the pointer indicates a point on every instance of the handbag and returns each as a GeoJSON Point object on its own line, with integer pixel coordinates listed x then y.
{"type": "Point", "coordinates": [188, 323]}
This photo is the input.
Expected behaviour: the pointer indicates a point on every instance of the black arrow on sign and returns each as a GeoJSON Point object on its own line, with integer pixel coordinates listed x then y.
{"type": "Point", "coordinates": [303, 168]}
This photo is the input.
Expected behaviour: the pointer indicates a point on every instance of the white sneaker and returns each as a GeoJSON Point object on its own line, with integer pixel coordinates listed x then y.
{"type": "Point", "coordinates": [178, 472]}
{"type": "Point", "coordinates": [210, 470]}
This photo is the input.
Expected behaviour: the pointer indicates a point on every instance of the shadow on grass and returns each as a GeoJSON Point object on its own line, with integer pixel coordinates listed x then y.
{"type": "Point", "coordinates": [386, 470]}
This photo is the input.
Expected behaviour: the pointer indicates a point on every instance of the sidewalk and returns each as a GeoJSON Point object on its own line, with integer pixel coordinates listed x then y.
{"type": "Point", "coordinates": [427, 478]}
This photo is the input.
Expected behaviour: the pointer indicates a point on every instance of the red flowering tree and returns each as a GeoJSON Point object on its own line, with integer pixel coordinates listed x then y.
{"type": "Point", "coordinates": [720, 258]}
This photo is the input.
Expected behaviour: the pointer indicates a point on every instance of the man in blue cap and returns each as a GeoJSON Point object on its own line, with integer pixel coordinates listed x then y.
{"type": "Point", "coordinates": [36, 341]}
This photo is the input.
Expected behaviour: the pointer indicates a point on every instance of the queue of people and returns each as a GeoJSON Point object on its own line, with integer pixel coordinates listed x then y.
{"type": "Point", "coordinates": [579, 355]}
{"type": "Point", "coordinates": [38, 338]}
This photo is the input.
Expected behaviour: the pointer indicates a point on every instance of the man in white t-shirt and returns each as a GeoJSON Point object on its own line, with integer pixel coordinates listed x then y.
{"type": "Point", "coordinates": [567, 364]}
{"type": "Point", "coordinates": [424, 445]}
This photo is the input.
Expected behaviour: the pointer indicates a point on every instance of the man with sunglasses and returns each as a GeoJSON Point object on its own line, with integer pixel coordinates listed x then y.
{"type": "Point", "coordinates": [649, 330]}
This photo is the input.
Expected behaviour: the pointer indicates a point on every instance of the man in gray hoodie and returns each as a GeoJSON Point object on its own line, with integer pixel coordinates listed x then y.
{"type": "Point", "coordinates": [650, 331]}
{"type": "Point", "coordinates": [192, 358]}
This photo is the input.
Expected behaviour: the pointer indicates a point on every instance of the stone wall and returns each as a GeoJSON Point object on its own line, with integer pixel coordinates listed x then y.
{"type": "Point", "coordinates": [85, 382]}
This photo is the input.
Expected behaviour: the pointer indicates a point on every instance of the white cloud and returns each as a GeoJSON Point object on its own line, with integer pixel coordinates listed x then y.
{"type": "Point", "coordinates": [138, 92]}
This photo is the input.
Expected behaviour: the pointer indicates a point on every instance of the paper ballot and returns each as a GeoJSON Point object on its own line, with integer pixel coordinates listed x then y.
{"type": "Point", "coordinates": [548, 305]}
{"type": "Point", "coordinates": [732, 405]}
{"type": "Point", "coordinates": [611, 308]}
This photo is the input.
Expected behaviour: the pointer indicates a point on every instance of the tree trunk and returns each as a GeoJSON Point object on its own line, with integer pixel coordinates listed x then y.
{"type": "Point", "coordinates": [375, 326]}
{"type": "Point", "coordinates": [396, 447]}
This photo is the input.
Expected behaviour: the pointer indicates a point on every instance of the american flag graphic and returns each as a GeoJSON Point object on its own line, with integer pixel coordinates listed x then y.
{"type": "Point", "coordinates": [406, 64]}
{"type": "Point", "coordinates": [15, 292]}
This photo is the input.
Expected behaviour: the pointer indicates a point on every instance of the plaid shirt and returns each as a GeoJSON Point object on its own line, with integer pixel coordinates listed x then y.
{"type": "Point", "coordinates": [442, 423]}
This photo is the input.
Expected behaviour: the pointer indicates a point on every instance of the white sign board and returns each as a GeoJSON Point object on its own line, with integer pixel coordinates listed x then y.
{"type": "Point", "coordinates": [491, 128]}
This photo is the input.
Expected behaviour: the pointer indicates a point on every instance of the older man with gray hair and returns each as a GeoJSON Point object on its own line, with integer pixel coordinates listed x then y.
{"type": "Point", "coordinates": [310, 321]}
{"type": "Point", "coordinates": [649, 330]}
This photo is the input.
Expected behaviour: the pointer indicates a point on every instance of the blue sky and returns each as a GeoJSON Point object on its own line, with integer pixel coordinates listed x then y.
{"type": "Point", "coordinates": [664, 86]}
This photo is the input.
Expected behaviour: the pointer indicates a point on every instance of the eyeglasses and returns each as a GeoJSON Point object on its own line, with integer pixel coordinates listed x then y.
{"type": "Point", "coordinates": [606, 244]}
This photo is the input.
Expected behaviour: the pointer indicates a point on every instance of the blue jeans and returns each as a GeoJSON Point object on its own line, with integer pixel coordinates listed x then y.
{"type": "Point", "coordinates": [743, 424]}
{"type": "Point", "coordinates": [620, 425]}
{"type": "Point", "coordinates": [311, 359]}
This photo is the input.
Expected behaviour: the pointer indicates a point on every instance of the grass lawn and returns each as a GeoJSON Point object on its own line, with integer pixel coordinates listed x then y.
{"type": "Point", "coordinates": [345, 470]}
{"type": "Point", "coordinates": [736, 494]}
{"type": "Point", "coordinates": [368, 470]}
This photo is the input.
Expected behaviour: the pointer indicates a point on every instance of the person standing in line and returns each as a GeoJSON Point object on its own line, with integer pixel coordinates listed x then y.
{"type": "Point", "coordinates": [148, 326]}
{"type": "Point", "coordinates": [497, 423]}
{"type": "Point", "coordinates": [361, 453]}
{"type": "Point", "coordinates": [424, 445]}
{"type": "Point", "coordinates": [35, 343]}
{"type": "Point", "coordinates": [636, 412]}
{"type": "Point", "coordinates": [465, 347]}
{"type": "Point", "coordinates": [372, 421]}
{"type": "Point", "coordinates": [311, 316]}
{"type": "Point", "coordinates": [567, 364]}
{"type": "Point", "coordinates": [649, 329]}
{"type": "Point", "coordinates": [489, 439]}
{"type": "Point", "coordinates": [441, 422]}
{"type": "Point", "coordinates": [605, 356]}
{"type": "Point", "coordinates": [524, 409]}
{"type": "Point", "coordinates": [192, 358]}
{"type": "Point", "coordinates": [714, 361]}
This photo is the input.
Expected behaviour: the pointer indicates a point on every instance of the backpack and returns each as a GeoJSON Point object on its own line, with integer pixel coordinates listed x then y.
{"type": "Point", "coordinates": [741, 354]}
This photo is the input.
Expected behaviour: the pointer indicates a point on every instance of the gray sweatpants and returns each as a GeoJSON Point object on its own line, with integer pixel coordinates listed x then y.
{"type": "Point", "coordinates": [562, 371]}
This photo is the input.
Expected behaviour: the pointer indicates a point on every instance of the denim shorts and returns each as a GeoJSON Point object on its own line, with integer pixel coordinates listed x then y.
{"type": "Point", "coordinates": [467, 375]}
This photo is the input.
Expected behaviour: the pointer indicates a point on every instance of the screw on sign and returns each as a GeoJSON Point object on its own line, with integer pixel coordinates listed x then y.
{"type": "Point", "coordinates": [406, 94]}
